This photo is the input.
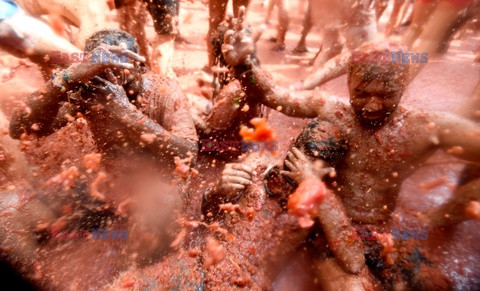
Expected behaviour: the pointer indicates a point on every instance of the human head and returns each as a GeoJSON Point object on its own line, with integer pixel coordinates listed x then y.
{"type": "Point", "coordinates": [376, 87]}
{"type": "Point", "coordinates": [120, 38]}
{"type": "Point", "coordinates": [113, 37]}
{"type": "Point", "coordinates": [321, 140]}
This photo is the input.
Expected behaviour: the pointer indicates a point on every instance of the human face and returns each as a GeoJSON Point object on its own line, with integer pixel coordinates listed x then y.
{"type": "Point", "coordinates": [375, 101]}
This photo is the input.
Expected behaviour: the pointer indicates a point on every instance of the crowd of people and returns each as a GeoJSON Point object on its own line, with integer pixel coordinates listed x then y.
{"type": "Point", "coordinates": [111, 144]}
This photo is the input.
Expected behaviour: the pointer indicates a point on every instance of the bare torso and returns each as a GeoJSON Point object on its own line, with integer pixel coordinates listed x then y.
{"type": "Point", "coordinates": [378, 161]}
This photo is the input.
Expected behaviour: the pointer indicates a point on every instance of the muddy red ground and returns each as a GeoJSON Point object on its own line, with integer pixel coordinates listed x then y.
{"type": "Point", "coordinates": [443, 85]}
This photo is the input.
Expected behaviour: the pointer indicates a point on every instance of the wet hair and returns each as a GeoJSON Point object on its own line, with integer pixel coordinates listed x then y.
{"type": "Point", "coordinates": [394, 74]}
{"type": "Point", "coordinates": [322, 140]}
{"type": "Point", "coordinates": [319, 140]}
{"type": "Point", "coordinates": [111, 37]}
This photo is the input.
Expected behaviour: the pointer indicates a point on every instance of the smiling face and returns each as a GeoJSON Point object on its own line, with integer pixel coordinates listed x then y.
{"type": "Point", "coordinates": [376, 88]}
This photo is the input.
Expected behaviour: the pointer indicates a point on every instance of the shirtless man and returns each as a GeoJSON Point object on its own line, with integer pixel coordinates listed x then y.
{"type": "Point", "coordinates": [114, 121]}
{"type": "Point", "coordinates": [388, 142]}
{"type": "Point", "coordinates": [372, 117]}
{"type": "Point", "coordinates": [130, 137]}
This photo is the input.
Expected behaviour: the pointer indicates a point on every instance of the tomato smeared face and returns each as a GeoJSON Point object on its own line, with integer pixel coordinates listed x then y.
{"type": "Point", "coordinates": [374, 101]}
{"type": "Point", "coordinates": [376, 88]}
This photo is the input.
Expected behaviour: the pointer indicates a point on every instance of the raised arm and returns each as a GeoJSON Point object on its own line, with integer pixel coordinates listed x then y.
{"type": "Point", "coordinates": [24, 36]}
{"type": "Point", "coordinates": [257, 83]}
{"type": "Point", "coordinates": [37, 114]}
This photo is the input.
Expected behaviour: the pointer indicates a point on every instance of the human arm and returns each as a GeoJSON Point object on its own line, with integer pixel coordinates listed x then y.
{"type": "Point", "coordinates": [257, 83]}
{"type": "Point", "coordinates": [463, 205]}
{"type": "Point", "coordinates": [458, 136]}
{"type": "Point", "coordinates": [24, 36]}
{"type": "Point", "coordinates": [110, 100]}
{"type": "Point", "coordinates": [37, 114]}
{"type": "Point", "coordinates": [329, 211]}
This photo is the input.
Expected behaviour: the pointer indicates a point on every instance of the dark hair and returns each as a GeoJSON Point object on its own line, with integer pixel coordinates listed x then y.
{"type": "Point", "coordinates": [322, 140]}
{"type": "Point", "coordinates": [395, 73]}
{"type": "Point", "coordinates": [111, 37]}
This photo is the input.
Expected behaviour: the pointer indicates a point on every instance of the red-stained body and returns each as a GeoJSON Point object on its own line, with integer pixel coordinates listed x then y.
{"type": "Point", "coordinates": [443, 85]}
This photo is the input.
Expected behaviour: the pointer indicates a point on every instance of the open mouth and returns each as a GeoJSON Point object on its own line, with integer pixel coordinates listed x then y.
{"type": "Point", "coordinates": [373, 115]}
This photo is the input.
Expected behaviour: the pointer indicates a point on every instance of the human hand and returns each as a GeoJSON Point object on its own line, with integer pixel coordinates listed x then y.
{"type": "Point", "coordinates": [237, 46]}
{"type": "Point", "coordinates": [118, 59]}
{"type": "Point", "coordinates": [301, 168]}
{"type": "Point", "coordinates": [101, 91]}
{"type": "Point", "coordinates": [235, 178]}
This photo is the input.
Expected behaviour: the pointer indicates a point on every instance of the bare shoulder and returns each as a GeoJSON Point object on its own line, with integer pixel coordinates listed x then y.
{"type": "Point", "coordinates": [159, 84]}
{"type": "Point", "coordinates": [421, 118]}
{"type": "Point", "coordinates": [162, 97]}
{"type": "Point", "coordinates": [331, 107]}
{"type": "Point", "coordinates": [161, 91]}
